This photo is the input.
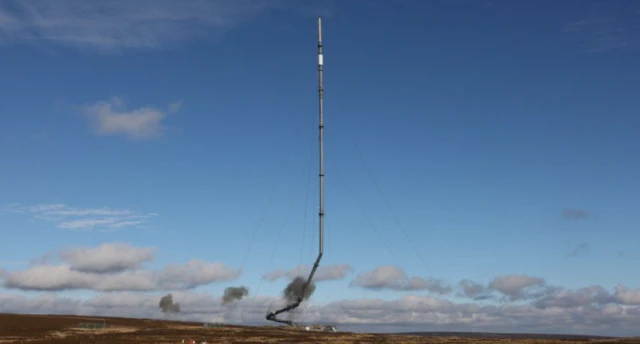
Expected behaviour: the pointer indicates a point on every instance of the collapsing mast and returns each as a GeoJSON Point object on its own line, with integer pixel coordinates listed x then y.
{"type": "Point", "coordinates": [272, 315]}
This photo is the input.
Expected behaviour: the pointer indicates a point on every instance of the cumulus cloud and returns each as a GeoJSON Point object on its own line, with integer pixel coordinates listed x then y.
{"type": "Point", "coordinates": [512, 287]}
{"type": "Point", "coordinates": [394, 278]}
{"type": "Point", "coordinates": [108, 257]}
{"type": "Point", "coordinates": [117, 25]}
{"type": "Point", "coordinates": [324, 273]}
{"type": "Point", "coordinates": [627, 296]}
{"type": "Point", "coordinates": [517, 287]}
{"type": "Point", "coordinates": [587, 296]}
{"type": "Point", "coordinates": [115, 267]}
{"type": "Point", "coordinates": [410, 312]}
{"type": "Point", "coordinates": [471, 289]}
{"type": "Point", "coordinates": [74, 218]}
{"type": "Point", "coordinates": [174, 277]}
{"type": "Point", "coordinates": [126, 288]}
{"type": "Point", "coordinates": [111, 117]}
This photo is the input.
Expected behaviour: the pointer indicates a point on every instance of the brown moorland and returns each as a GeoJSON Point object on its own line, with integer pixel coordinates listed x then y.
{"type": "Point", "coordinates": [19, 328]}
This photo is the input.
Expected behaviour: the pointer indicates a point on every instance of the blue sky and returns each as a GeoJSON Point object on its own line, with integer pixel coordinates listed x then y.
{"type": "Point", "coordinates": [484, 124]}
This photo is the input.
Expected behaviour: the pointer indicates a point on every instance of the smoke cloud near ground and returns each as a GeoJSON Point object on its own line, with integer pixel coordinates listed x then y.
{"type": "Point", "coordinates": [513, 302]}
{"type": "Point", "coordinates": [167, 304]}
{"type": "Point", "coordinates": [601, 311]}
{"type": "Point", "coordinates": [294, 290]}
{"type": "Point", "coordinates": [234, 294]}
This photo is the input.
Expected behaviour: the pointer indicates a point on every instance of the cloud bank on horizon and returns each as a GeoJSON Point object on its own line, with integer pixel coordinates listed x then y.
{"type": "Point", "coordinates": [113, 267]}
{"type": "Point", "coordinates": [514, 302]}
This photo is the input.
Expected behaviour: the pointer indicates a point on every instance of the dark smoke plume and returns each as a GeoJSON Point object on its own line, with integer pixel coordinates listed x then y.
{"type": "Point", "coordinates": [234, 293]}
{"type": "Point", "coordinates": [294, 289]}
{"type": "Point", "coordinates": [167, 305]}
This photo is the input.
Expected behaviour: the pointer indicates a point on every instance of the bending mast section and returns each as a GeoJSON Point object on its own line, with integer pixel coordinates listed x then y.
{"type": "Point", "coordinates": [272, 316]}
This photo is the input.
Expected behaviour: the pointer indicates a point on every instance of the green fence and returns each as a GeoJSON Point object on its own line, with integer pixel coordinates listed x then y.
{"type": "Point", "coordinates": [93, 325]}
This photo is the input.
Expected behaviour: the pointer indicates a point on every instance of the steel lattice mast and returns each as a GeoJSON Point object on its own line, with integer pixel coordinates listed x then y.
{"type": "Point", "coordinates": [272, 315]}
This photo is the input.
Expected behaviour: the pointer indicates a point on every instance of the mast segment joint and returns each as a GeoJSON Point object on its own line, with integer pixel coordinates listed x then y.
{"type": "Point", "coordinates": [272, 316]}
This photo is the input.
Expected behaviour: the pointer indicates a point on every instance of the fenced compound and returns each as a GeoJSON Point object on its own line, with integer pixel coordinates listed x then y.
{"type": "Point", "coordinates": [210, 324]}
{"type": "Point", "coordinates": [93, 325]}
{"type": "Point", "coordinates": [321, 328]}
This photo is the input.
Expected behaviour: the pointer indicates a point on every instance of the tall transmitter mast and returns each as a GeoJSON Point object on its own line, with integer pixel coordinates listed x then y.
{"type": "Point", "coordinates": [272, 315]}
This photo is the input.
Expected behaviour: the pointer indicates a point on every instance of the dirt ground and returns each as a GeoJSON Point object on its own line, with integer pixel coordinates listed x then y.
{"type": "Point", "coordinates": [64, 329]}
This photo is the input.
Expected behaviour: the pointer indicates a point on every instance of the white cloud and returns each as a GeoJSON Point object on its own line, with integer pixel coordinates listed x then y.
{"type": "Point", "coordinates": [324, 273]}
{"type": "Point", "coordinates": [175, 277]}
{"type": "Point", "coordinates": [627, 296]}
{"type": "Point", "coordinates": [122, 224]}
{"type": "Point", "coordinates": [114, 267]}
{"type": "Point", "coordinates": [195, 273]}
{"type": "Point", "coordinates": [394, 278]}
{"type": "Point", "coordinates": [86, 223]}
{"type": "Point", "coordinates": [112, 118]}
{"type": "Point", "coordinates": [107, 257]}
{"type": "Point", "coordinates": [66, 217]}
{"type": "Point", "coordinates": [115, 25]}
{"type": "Point", "coordinates": [516, 286]}
{"type": "Point", "coordinates": [408, 312]}
{"type": "Point", "coordinates": [64, 210]}
{"type": "Point", "coordinates": [126, 288]}
{"type": "Point", "coordinates": [575, 298]}
{"type": "Point", "coordinates": [472, 289]}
